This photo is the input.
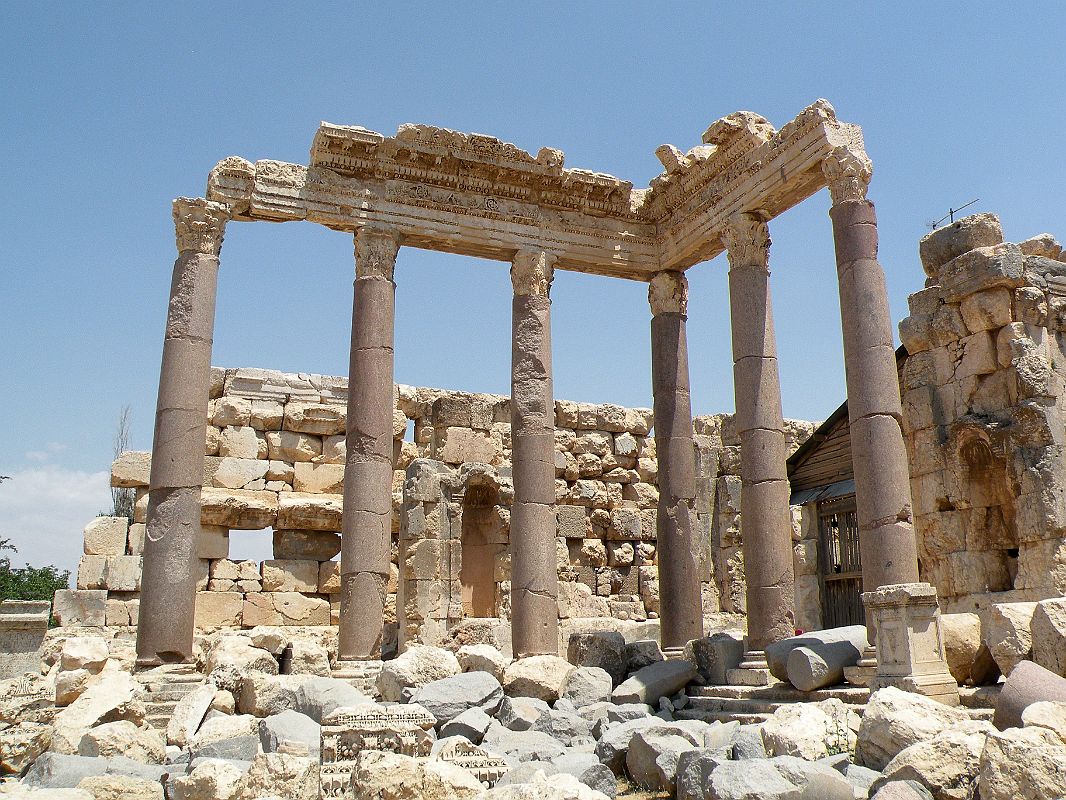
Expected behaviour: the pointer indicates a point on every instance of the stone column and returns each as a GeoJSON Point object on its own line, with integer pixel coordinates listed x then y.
{"type": "Point", "coordinates": [366, 524]}
{"type": "Point", "coordinates": [169, 574]}
{"type": "Point", "coordinates": [879, 458]}
{"type": "Point", "coordinates": [679, 551]}
{"type": "Point", "coordinates": [765, 518]}
{"type": "Point", "coordinates": [534, 575]}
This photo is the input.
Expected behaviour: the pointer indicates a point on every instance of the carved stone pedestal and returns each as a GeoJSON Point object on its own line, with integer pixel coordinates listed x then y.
{"type": "Point", "coordinates": [751, 671]}
{"type": "Point", "coordinates": [23, 626]}
{"type": "Point", "coordinates": [910, 650]}
{"type": "Point", "coordinates": [865, 670]}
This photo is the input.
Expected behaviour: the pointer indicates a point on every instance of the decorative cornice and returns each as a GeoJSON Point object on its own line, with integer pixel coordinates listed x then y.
{"type": "Point", "coordinates": [848, 172]}
{"type": "Point", "coordinates": [199, 225]}
{"type": "Point", "coordinates": [747, 240]}
{"type": "Point", "coordinates": [532, 272]}
{"type": "Point", "coordinates": [668, 293]}
{"type": "Point", "coordinates": [375, 253]}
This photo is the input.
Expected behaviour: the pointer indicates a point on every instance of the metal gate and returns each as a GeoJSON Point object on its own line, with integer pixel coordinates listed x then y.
{"type": "Point", "coordinates": [840, 562]}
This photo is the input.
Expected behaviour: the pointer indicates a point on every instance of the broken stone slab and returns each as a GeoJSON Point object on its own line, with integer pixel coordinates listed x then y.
{"type": "Point", "coordinates": [944, 244]}
{"type": "Point", "coordinates": [962, 641]}
{"type": "Point", "coordinates": [1028, 683]}
{"type": "Point", "coordinates": [540, 676]}
{"type": "Point", "coordinates": [946, 764]}
{"type": "Point", "coordinates": [189, 713]}
{"type": "Point", "coordinates": [528, 745]}
{"type": "Point", "coordinates": [715, 654]}
{"type": "Point", "coordinates": [62, 771]}
{"type": "Point", "coordinates": [115, 787]}
{"type": "Point", "coordinates": [747, 743]}
{"type": "Point", "coordinates": [565, 725]}
{"type": "Point", "coordinates": [810, 730]}
{"type": "Point", "coordinates": [748, 780]}
{"type": "Point", "coordinates": [1021, 763]}
{"type": "Point", "coordinates": [470, 724]}
{"type": "Point", "coordinates": [415, 667]}
{"type": "Point", "coordinates": [657, 680]}
{"type": "Point", "coordinates": [851, 637]}
{"type": "Point", "coordinates": [123, 738]}
{"type": "Point", "coordinates": [1009, 634]}
{"type": "Point", "coordinates": [482, 658]}
{"type": "Point", "coordinates": [112, 696]}
{"type": "Point", "coordinates": [614, 741]}
{"type": "Point", "coordinates": [902, 790]}
{"type": "Point", "coordinates": [1049, 635]}
{"type": "Point", "coordinates": [652, 758]}
{"type": "Point", "coordinates": [449, 697]}
{"type": "Point", "coordinates": [895, 719]}
{"type": "Point", "coordinates": [641, 653]}
{"type": "Point", "coordinates": [694, 767]}
{"type": "Point", "coordinates": [290, 726]}
{"type": "Point", "coordinates": [603, 649]}
{"type": "Point", "coordinates": [587, 685]}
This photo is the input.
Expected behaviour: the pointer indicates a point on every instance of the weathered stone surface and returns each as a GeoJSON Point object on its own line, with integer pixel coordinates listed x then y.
{"type": "Point", "coordinates": [238, 509]}
{"type": "Point", "coordinates": [1009, 636]}
{"type": "Point", "coordinates": [542, 786]}
{"type": "Point", "coordinates": [223, 736]}
{"type": "Point", "coordinates": [80, 607]}
{"type": "Point", "coordinates": [123, 738]}
{"type": "Point", "coordinates": [748, 780]}
{"type": "Point", "coordinates": [114, 787]}
{"type": "Point", "coordinates": [290, 576]}
{"type": "Point", "coordinates": [587, 685]}
{"type": "Point", "coordinates": [1050, 714]}
{"type": "Point", "coordinates": [416, 666]}
{"type": "Point", "coordinates": [564, 724]}
{"type": "Point", "coordinates": [239, 653]}
{"type": "Point", "coordinates": [1049, 635]}
{"type": "Point", "coordinates": [21, 745]}
{"type": "Point", "coordinates": [962, 640]}
{"type": "Point", "coordinates": [942, 245]}
{"type": "Point", "coordinates": [318, 697]}
{"type": "Point", "coordinates": [211, 779]}
{"type": "Point", "coordinates": [189, 713]}
{"type": "Point", "coordinates": [482, 658]}
{"type": "Point", "coordinates": [894, 720]}
{"type": "Point", "coordinates": [542, 677]}
{"type": "Point", "coordinates": [449, 697]}
{"type": "Point", "coordinates": [62, 771]}
{"type": "Point", "coordinates": [106, 536]}
{"type": "Point", "coordinates": [652, 758]}
{"type": "Point", "coordinates": [603, 649]}
{"type": "Point", "coordinates": [470, 724]}
{"type": "Point", "coordinates": [131, 469]}
{"type": "Point", "coordinates": [715, 654]}
{"type": "Point", "coordinates": [289, 726]}
{"type": "Point", "coordinates": [83, 652]}
{"type": "Point", "coordinates": [1022, 763]}
{"type": "Point", "coordinates": [113, 696]}
{"type": "Point", "coordinates": [641, 653]}
{"type": "Point", "coordinates": [389, 776]}
{"type": "Point", "coordinates": [527, 745]}
{"type": "Point", "coordinates": [657, 680]}
{"type": "Point", "coordinates": [694, 768]}
{"type": "Point", "coordinates": [306, 545]}
{"type": "Point", "coordinates": [614, 741]}
{"type": "Point", "coordinates": [278, 775]}
{"type": "Point", "coordinates": [519, 713]}
{"type": "Point", "coordinates": [946, 764]}
{"type": "Point", "coordinates": [285, 608]}
{"type": "Point", "coordinates": [810, 730]}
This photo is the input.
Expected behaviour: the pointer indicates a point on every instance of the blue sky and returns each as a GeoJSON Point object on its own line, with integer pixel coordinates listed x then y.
{"type": "Point", "coordinates": [111, 110]}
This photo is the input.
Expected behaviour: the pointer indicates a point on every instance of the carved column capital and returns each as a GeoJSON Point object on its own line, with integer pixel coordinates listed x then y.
{"type": "Point", "coordinates": [532, 272]}
{"type": "Point", "coordinates": [668, 293]}
{"type": "Point", "coordinates": [848, 173]}
{"type": "Point", "coordinates": [747, 239]}
{"type": "Point", "coordinates": [375, 253]}
{"type": "Point", "coordinates": [199, 225]}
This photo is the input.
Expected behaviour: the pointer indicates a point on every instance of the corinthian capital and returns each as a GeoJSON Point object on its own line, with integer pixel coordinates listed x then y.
{"type": "Point", "coordinates": [199, 225]}
{"type": "Point", "coordinates": [848, 173]}
{"type": "Point", "coordinates": [668, 293]}
{"type": "Point", "coordinates": [747, 238]}
{"type": "Point", "coordinates": [532, 272]}
{"type": "Point", "coordinates": [375, 253]}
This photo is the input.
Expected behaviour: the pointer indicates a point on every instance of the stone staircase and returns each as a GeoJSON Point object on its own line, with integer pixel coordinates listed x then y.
{"type": "Point", "coordinates": [164, 686]}
{"type": "Point", "coordinates": [752, 704]}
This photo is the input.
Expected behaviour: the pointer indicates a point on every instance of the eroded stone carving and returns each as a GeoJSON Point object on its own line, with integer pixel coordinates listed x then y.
{"type": "Point", "coordinates": [485, 767]}
{"type": "Point", "coordinates": [375, 253]}
{"type": "Point", "coordinates": [848, 172]}
{"type": "Point", "coordinates": [532, 273]}
{"type": "Point", "coordinates": [668, 293]}
{"type": "Point", "coordinates": [747, 240]}
{"type": "Point", "coordinates": [199, 225]}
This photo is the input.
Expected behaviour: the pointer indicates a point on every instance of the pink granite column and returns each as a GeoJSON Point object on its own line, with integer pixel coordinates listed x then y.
{"type": "Point", "coordinates": [366, 524]}
{"type": "Point", "coordinates": [677, 540]}
{"type": "Point", "coordinates": [169, 575]}
{"type": "Point", "coordinates": [764, 508]}
{"type": "Point", "coordinates": [879, 458]}
{"type": "Point", "coordinates": [534, 575]}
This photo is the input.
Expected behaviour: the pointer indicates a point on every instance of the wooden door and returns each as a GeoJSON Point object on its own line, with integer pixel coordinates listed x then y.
{"type": "Point", "coordinates": [840, 563]}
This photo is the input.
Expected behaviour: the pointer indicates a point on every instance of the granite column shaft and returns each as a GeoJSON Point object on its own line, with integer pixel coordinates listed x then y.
{"type": "Point", "coordinates": [169, 571]}
{"type": "Point", "coordinates": [680, 553]}
{"type": "Point", "coordinates": [765, 516]}
{"type": "Point", "coordinates": [879, 457]}
{"type": "Point", "coordinates": [366, 523]}
{"type": "Point", "coordinates": [534, 574]}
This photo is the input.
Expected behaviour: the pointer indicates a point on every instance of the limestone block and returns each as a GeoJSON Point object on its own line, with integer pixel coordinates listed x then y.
{"type": "Point", "coordinates": [306, 545]}
{"type": "Point", "coordinates": [230, 411]}
{"type": "Point", "coordinates": [318, 478]}
{"type": "Point", "coordinates": [541, 677]}
{"type": "Point", "coordinates": [123, 573]}
{"type": "Point", "coordinates": [572, 522]}
{"type": "Point", "coordinates": [946, 764]}
{"type": "Point", "coordinates": [106, 536]}
{"type": "Point", "coordinates": [242, 442]}
{"type": "Point", "coordinates": [224, 569]}
{"type": "Point", "coordinates": [303, 511]}
{"type": "Point", "coordinates": [961, 636]}
{"type": "Point", "coordinates": [1043, 244]}
{"type": "Point", "coordinates": [284, 608]}
{"type": "Point", "coordinates": [980, 269]}
{"type": "Point", "coordinates": [131, 469]}
{"type": "Point", "coordinates": [111, 697]}
{"type": "Point", "coordinates": [1049, 635]}
{"type": "Point", "coordinates": [464, 445]}
{"type": "Point", "coordinates": [576, 601]}
{"type": "Point", "coordinates": [292, 446]}
{"type": "Point", "coordinates": [944, 244]}
{"type": "Point", "coordinates": [810, 730]}
{"type": "Point", "coordinates": [236, 473]}
{"type": "Point", "coordinates": [620, 554]}
{"type": "Point", "coordinates": [625, 444]}
{"type": "Point", "coordinates": [329, 578]}
{"type": "Point", "coordinates": [211, 440]}
{"type": "Point", "coordinates": [135, 539]}
{"type": "Point", "coordinates": [625, 525]}
{"type": "Point", "coordinates": [715, 655]}
{"type": "Point", "coordinates": [643, 494]}
{"type": "Point", "coordinates": [117, 613]}
{"type": "Point", "coordinates": [123, 738]}
{"type": "Point", "coordinates": [219, 609]}
{"type": "Point", "coordinates": [895, 719]}
{"type": "Point", "coordinates": [593, 553]}
{"type": "Point", "coordinates": [266, 415]}
{"type": "Point", "coordinates": [1021, 763]}
{"type": "Point", "coordinates": [290, 576]}
{"type": "Point", "coordinates": [597, 443]}
{"type": "Point", "coordinates": [321, 419]}
{"type": "Point", "coordinates": [987, 310]}
{"type": "Point", "coordinates": [656, 680]}
{"type": "Point", "coordinates": [238, 509]}
{"type": "Point", "coordinates": [978, 356]}
{"type": "Point", "coordinates": [1008, 634]}
{"type": "Point", "coordinates": [92, 571]}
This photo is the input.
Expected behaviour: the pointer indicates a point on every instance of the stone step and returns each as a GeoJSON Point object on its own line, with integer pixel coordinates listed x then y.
{"type": "Point", "coordinates": [164, 693]}
{"type": "Point", "coordinates": [782, 693]}
{"type": "Point", "coordinates": [722, 716]}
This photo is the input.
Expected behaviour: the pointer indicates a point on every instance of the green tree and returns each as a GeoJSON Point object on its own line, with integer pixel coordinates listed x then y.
{"type": "Point", "coordinates": [28, 583]}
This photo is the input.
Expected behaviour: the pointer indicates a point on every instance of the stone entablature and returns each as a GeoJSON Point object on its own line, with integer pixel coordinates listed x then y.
{"type": "Point", "coordinates": [275, 456]}
{"type": "Point", "coordinates": [984, 390]}
{"type": "Point", "coordinates": [473, 194]}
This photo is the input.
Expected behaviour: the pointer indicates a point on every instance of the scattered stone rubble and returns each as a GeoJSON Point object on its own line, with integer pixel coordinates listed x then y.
{"type": "Point", "coordinates": [615, 715]}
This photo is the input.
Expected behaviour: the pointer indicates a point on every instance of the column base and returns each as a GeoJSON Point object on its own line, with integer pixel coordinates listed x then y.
{"type": "Point", "coordinates": [751, 671]}
{"type": "Point", "coordinates": [673, 653]}
{"type": "Point", "coordinates": [865, 670]}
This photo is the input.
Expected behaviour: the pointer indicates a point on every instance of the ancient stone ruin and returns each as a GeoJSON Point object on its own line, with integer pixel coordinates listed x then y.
{"type": "Point", "coordinates": [748, 606]}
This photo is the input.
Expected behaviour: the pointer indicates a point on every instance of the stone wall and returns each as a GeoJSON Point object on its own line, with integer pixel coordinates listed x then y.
{"type": "Point", "coordinates": [984, 390]}
{"type": "Point", "coordinates": [275, 459]}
